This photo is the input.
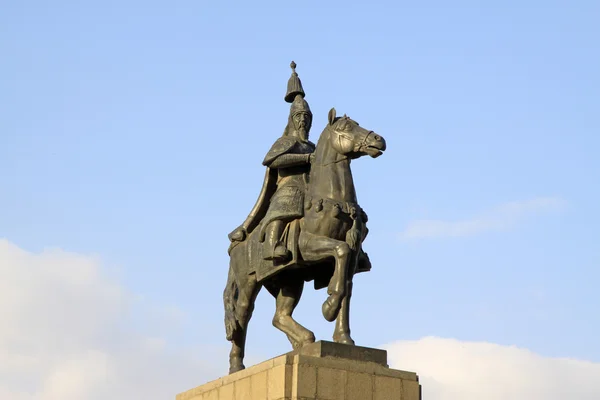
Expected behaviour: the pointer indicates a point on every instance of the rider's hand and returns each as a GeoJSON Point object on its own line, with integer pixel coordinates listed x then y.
{"type": "Point", "coordinates": [311, 158]}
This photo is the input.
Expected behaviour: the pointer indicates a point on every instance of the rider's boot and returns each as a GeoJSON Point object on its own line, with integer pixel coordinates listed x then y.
{"type": "Point", "coordinates": [273, 248]}
{"type": "Point", "coordinates": [364, 263]}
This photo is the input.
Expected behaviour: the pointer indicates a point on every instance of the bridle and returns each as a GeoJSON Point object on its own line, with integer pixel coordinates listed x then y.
{"type": "Point", "coordinates": [347, 137]}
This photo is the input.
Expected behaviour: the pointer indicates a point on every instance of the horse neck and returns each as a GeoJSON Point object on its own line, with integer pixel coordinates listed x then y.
{"type": "Point", "coordinates": [330, 174]}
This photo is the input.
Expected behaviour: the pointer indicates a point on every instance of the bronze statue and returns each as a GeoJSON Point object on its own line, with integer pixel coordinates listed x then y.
{"type": "Point", "coordinates": [305, 226]}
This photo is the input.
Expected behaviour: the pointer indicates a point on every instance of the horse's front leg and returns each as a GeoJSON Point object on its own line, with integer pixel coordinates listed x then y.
{"type": "Point", "coordinates": [341, 334]}
{"type": "Point", "coordinates": [318, 248]}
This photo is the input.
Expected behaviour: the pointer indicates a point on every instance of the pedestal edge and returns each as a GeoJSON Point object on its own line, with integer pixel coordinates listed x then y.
{"type": "Point", "coordinates": [297, 358]}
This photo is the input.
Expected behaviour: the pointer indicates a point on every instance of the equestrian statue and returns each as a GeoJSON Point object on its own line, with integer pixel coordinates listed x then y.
{"type": "Point", "coordinates": [305, 226]}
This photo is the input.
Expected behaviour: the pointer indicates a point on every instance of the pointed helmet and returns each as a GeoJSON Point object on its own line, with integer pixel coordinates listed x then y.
{"type": "Point", "coordinates": [295, 94]}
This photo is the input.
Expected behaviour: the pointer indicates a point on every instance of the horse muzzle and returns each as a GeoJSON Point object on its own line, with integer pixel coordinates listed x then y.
{"type": "Point", "coordinates": [375, 145]}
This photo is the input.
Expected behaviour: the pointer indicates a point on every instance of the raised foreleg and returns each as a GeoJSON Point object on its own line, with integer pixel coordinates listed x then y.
{"type": "Point", "coordinates": [318, 248]}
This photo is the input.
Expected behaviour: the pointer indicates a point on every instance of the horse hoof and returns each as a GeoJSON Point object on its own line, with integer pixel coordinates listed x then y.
{"type": "Point", "coordinates": [235, 364]}
{"type": "Point", "coordinates": [344, 339]}
{"type": "Point", "coordinates": [298, 344]}
{"type": "Point", "coordinates": [295, 344]}
{"type": "Point", "coordinates": [235, 368]}
{"type": "Point", "coordinates": [330, 308]}
{"type": "Point", "coordinates": [310, 339]}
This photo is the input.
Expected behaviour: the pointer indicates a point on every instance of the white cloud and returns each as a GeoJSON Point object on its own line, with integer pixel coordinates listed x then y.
{"type": "Point", "coordinates": [453, 370]}
{"type": "Point", "coordinates": [66, 334]}
{"type": "Point", "coordinates": [501, 217]}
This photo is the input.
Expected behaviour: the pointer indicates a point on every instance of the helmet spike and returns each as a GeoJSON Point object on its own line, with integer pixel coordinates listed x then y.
{"type": "Point", "coordinates": [294, 86]}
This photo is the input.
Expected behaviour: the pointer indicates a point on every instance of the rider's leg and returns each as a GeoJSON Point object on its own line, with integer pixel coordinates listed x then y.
{"type": "Point", "coordinates": [274, 249]}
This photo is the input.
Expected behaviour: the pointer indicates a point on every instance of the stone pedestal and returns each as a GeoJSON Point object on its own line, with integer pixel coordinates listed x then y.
{"type": "Point", "coordinates": [321, 371]}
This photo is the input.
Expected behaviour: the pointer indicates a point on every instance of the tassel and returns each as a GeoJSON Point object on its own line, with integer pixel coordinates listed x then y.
{"type": "Point", "coordinates": [353, 235]}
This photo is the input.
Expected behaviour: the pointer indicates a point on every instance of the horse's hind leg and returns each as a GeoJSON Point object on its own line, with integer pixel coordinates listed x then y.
{"type": "Point", "coordinates": [248, 290]}
{"type": "Point", "coordinates": [287, 298]}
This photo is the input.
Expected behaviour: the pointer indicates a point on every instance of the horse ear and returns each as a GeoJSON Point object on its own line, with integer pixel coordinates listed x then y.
{"type": "Point", "coordinates": [331, 116]}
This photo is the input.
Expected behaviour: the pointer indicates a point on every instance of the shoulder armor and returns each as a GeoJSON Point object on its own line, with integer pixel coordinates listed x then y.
{"type": "Point", "coordinates": [281, 146]}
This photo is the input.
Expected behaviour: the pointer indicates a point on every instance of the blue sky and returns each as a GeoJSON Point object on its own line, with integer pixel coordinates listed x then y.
{"type": "Point", "coordinates": [134, 131]}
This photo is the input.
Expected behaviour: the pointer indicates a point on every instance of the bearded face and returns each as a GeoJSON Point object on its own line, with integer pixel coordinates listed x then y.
{"type": "Point", "coordinates": [302, 122]}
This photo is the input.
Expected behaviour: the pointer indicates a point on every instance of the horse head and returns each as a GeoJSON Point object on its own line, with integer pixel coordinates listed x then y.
{"type": "Point", "coordinates": [349, 139]}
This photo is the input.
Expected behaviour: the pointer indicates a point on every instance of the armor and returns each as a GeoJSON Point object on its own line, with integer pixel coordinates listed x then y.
{"type": "Point", "coordinates": [287, 203]}
{"type": "Point", "coordinates": [288, 164]}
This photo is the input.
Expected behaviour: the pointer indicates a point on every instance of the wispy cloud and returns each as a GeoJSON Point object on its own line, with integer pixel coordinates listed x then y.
{"type": "Point", "coordinates": [501, 217]}
{"type": "Point", "coordinates": [455, 370]}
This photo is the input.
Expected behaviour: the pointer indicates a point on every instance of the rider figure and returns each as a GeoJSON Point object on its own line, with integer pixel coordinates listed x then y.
{"type": "Point", "coordinates": [288, 162]}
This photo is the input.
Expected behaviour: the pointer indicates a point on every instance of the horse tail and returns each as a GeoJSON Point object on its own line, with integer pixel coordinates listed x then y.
{"type": "Point", "coordinates": [230, 295]}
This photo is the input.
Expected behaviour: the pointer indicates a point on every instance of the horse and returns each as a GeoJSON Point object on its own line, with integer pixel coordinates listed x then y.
{"type": "Point", "coordinates": [329, 241]}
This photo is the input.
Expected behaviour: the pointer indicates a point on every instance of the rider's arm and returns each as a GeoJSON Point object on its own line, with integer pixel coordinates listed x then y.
{"type": "Point", "coordinates": [290, 160]}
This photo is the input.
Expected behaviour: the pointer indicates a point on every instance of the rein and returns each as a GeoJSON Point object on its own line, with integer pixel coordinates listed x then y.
{"type": "Point", "coordinates": [333, 162]}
